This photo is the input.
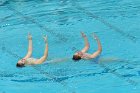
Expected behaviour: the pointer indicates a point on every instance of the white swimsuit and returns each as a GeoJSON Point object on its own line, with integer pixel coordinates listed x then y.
{"type": "Point", "coordinates": [30, 60]}
{"type": "Point", "coordinates": [96, 60]}
{"type": "Point", "coordinates": [86, 56]}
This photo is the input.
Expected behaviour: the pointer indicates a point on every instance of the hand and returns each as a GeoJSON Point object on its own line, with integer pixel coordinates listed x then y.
{"type": "Point", "coordinates": [45, 38]}
{"type": "Point", "coordinates": [29, 36]}
{"type": "Point", "coordinates": [94, 35]}
{"type": "Point", "coordinates": [83, 35]}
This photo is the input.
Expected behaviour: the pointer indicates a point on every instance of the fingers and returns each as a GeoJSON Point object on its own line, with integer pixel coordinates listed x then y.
{"type": "Point", "coordinates": [83, 34]}
{"type": "Point", "coordinates": [95, 36]}
{"type": "Point", "coordinates": [45, 38]}
{"type": "Point", "coordinates": [44, 35]}
{"type": "Point", "coordinates": [29, 36]}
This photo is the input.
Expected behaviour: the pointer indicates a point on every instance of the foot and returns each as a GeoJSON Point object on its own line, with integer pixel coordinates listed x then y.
{"type": "Point", "coordinates": [29, 36]}
{"type": "Point", "coordinates": [45, 39]}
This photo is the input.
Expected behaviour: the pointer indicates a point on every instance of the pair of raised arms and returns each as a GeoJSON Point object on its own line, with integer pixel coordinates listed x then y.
{"type": "Point", "coordinates": [86, 48]}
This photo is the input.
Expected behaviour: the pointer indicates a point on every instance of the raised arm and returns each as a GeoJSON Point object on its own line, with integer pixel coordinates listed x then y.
{"type": "Point", "coordinates": [44, 57]}
{"type": "Point", "coordinates": [85, 49]}
{"type": "Point", "coordinates": [95, 54]}
{"type": "Point", "coordinates": [29, 53]}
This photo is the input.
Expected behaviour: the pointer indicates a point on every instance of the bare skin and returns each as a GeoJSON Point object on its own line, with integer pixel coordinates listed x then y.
{"type": "Point", "coordinates": [83, 53]}
{"type": "Point", "coordinates": [27, 60]}
{"type": "Point", "coordinates": [86, 48]}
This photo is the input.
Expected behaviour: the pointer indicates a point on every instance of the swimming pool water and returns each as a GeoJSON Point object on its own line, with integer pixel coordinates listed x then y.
{"type": "Point", "coordinates": [116, 22]}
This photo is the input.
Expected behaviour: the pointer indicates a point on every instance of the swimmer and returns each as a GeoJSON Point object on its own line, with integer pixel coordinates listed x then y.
{"type": "Point", "coordinates": [82, 54]}
{"type": "Point", "coordinates": [28, 60]}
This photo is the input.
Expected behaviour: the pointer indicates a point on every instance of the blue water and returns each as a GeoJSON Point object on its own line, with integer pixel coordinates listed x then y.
{"type": "Point", "coordinates": [116, 22]}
